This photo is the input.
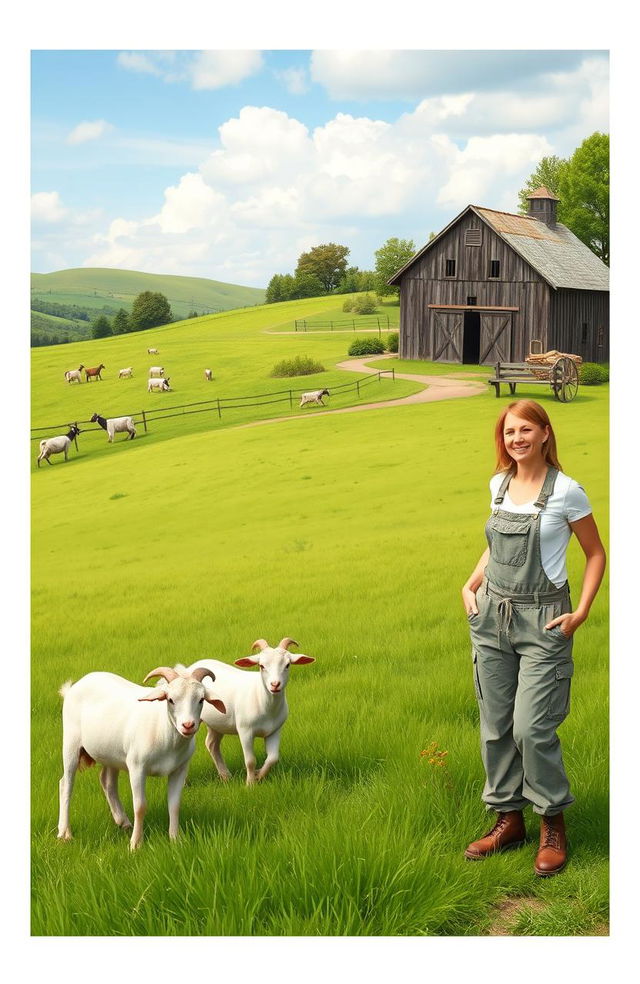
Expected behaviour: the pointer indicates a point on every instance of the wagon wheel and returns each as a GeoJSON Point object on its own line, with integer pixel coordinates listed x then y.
{"type": "Point", "coordinates": [564, 379]}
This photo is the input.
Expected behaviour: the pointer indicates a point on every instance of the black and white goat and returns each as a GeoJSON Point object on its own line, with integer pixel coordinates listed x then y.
{"type": "Point", "coordinates": [115, 425]}
{"type": "Point", "coordinates": [57, 445]}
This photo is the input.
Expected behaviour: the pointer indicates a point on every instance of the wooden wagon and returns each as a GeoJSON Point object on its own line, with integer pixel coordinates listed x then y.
{"type": "Point", "coordinates": [556, 370]}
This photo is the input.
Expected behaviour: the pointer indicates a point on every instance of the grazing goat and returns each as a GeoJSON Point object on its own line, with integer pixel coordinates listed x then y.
{"type": "Point", "coordinates": [115, 425]}
{"type": "Point", "coordinates": [156, 370]}
{"type": "Point", "coordinates": [125, 373]}
{"type": "Point", "coordinates": [256, 704]}
{"type": "Point", "coordinates": [56, 445]}
{"type": "Point", "coordinates": [95, 372]}
{"type": "Point", "coordinates": [152, 351]}
{"type": "Point", "coordinates": [122, 725]}
{"type": "Point", "coordinates": [158, 385]}
{"type": "Point", "coordinates": [208, 375]}
{"type": "Point", "coordinates": [72, 374]}
{"type": "Point", "coordinates": [314, 397]}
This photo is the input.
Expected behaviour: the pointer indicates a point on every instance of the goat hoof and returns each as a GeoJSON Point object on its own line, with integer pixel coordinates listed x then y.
{"type": "Point", "coordinates": [66, 835]}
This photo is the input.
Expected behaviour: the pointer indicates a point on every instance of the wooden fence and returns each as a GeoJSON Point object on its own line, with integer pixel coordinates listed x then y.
{"type": "Point", "coordinates": [366, 325]}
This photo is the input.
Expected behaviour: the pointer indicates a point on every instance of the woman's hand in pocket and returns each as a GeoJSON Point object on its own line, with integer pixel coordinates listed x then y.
{"type": "Point", "coordinates": [469, 601]}
{"type": "Point", "coordinates": [567, 623]}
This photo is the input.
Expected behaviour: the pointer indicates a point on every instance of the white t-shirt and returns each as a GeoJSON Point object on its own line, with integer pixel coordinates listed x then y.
{"type": "Point", "coordinates": [568, 503]}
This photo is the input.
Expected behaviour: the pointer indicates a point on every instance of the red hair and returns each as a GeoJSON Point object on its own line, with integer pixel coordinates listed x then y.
{"type": "Point", "coordinates": [535, 414]}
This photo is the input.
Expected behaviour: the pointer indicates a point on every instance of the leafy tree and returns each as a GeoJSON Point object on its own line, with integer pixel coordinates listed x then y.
{"type": "Point", "coordinates": [150, 310]}
{"type": "Point", "coordinates": [582, 185]}
{"type": "Point", "coordinates": [355, 280]}
{"type": "Point", "coordinates": [101, 327]}
{"type": "Point", "coordinates": [327, 262]}
{"type": "Point", "coordinates": [121, 323]}
{"type": "Point", "coordinates": [584, 194]}
{"type": "Point", "coordinates": [307, 285]}
{"type": "Point", "coordinates": [276, 289]}
{"type": "Point", "coordinates": [391, 256]}
{"type": "Point", "coordinates": [548, 173]}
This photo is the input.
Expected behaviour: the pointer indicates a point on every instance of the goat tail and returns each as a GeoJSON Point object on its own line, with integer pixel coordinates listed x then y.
{"type": "Point", "coordinates": [65, 688]}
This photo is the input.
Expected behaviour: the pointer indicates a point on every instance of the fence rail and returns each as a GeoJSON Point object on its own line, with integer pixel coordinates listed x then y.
{"type": "Point", "coordinates": [218, 404]}
{"type": "Point", "coordinates": [301, 324]}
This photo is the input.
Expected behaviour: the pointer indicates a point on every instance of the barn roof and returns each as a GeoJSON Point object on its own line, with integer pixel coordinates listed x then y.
{"type": "Point", "coordinates": [555, 253]}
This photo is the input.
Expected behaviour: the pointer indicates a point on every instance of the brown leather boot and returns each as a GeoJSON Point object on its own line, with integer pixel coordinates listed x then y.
{"type": "Point", "coordinates": [507, 832]}
{"type": "Point", "coordinates": [552, 854]}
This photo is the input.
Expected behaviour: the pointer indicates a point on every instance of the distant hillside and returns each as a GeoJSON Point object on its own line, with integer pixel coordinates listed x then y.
{"type": "Point", "coordinates": [93, 288]}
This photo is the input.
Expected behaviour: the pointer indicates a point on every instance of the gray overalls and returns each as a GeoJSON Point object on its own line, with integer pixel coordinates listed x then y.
{"type": "Point", "coordinates": [522, 672]}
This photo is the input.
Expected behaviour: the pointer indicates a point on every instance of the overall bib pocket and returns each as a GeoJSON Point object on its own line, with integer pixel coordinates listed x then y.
{"type": "Point", "coordinates": [509, 540]}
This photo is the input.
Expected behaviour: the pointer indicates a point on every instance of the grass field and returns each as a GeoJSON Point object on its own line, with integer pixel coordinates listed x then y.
{"type": "Point", "coordinates": [352, 533]}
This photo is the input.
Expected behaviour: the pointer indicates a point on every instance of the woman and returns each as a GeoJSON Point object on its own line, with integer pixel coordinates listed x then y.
{"type": "Point", "coordinates": [522, 625]}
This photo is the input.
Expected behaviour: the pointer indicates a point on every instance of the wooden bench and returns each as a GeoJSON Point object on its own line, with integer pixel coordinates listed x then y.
{"type": "Point", "coordinates": [513, 373]}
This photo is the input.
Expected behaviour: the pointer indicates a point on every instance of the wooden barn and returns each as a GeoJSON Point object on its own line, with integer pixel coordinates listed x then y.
{"type": "Point", "coordinates": [492, 282]}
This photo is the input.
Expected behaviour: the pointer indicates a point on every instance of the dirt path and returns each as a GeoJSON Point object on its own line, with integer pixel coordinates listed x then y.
{"type": "Point", "coordinates": [436, 388]}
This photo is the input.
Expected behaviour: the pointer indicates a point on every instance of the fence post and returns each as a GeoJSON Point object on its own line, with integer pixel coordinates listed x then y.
{"type": "Point", "coordinates": [219, 413]}
{"type": "Point", "coordinates": [358, 387]}
{"type": "Point", "coordinates": [144, 420]}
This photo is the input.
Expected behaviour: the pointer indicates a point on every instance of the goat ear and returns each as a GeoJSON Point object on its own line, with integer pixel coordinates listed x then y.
{"type": "Point", "coordinates": [301, 659]}
{"type": "Point", "coordinates": [157, 694]}
{"type": "Point", "coordinates": [219, 706]}
{"type": "Point", "coordinates": [247, 661]}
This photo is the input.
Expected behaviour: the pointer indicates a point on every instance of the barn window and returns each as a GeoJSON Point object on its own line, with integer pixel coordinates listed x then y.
{"type": "Point", "coordinates": [537, 204]}
{"type": "Point", "coordinates": [450, 268]}
{"type": "Point", "coordinates": [585, 328]}
{"type": "Point", "coordinates": [495, 268]}
{"type": "Point", "coordinates": [473, 237]}
{"type": "Point", "coordinates": [471, 301]}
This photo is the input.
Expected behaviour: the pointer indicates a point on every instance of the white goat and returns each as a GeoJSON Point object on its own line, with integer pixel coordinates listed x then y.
{"type": "Point", "coordinates": [158, 384]}
{"type": "Point", "coordinates": [255, 702]}
{"type": "Point", "coordinates": [56, 445]}
{"type": "Point", "coordinates": [74, 374]}
{"type": "Point", "coordinates": [208, 375]}
{"type": "Point", "coordinates": [153, 351]}
{"type": "Point", "coordinates": [115, 425]}
{"type": "Point", "coordinates": [156, 370]}
{"type": "Point", "coordinates": [122, 725]}
{"type": "Point", "coordinates": [315, 396]}
{"type": "Point", "coordinates": [126, 373]}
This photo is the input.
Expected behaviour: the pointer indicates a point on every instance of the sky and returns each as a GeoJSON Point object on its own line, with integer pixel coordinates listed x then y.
{"type": "Point", "coordinates": [229, 163]}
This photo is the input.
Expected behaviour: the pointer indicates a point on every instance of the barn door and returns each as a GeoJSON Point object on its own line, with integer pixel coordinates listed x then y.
{"type": "Point", "coordinates": [447, 336]}
{"type": "Point", "coordinates": [495, 337]}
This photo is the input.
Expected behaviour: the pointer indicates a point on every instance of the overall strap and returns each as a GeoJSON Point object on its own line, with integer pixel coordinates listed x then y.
{"type": "Point", "coordinates": [504, 485]}
{"type": "Point", "coordinates": [547, 487]}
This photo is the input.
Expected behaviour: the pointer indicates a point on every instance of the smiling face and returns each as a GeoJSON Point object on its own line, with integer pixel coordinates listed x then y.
{"type": "Point", "coordinates": [524, 440]}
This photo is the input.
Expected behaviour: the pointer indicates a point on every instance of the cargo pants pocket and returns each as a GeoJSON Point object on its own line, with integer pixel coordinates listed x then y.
{"type": "Point", "coordinates": [560, 696]}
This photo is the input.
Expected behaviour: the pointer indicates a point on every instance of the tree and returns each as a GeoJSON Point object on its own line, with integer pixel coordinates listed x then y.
{"type": "Point", "coordinates": [391, 256]}
{"type": "Point", "coordinates": [101, 327]}
{"type": "Point", "coordinates": [548, 173]}
{"type": "Point", "coordinates": [582, 185]}
{"type": "Point", "coordinates": [120, 324]}
{"type": "Point", "coordinates": [584, 194]}
{"type": "Point", "coordinates": [328, 262]}
{"type": "Point", "coordinates": [150, 310]}
{"type": "Point", "coordinates": [275, 289]}
{"type": "Point", "coordinates": [307, 285]}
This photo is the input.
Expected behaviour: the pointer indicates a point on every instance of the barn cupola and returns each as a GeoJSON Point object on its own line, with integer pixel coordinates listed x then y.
{"type": "Point", "coordinates": [542, 205]}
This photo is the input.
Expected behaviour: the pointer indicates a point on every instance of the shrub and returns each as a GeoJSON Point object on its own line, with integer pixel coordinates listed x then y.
{"type": "Point", "coordinates": [366, 346]}
{"type": "Point", "coordinates": [392, 341]}
{"type": "Point", "coordinates": [592, 374]}
{"type": "Point", "coordinates": [348, 304]}
{"type": "Point", "coordinates": [302, 365]}
{"type": "Point", "coordinates": [365, 304]}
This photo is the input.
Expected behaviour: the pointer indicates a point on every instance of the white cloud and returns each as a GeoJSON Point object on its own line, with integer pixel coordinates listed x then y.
{"type": "Point", "coordinates": [295, 80]}
{"type": "Point", "coordinates": [89, 130]}
{"type": "Point", "coordinates": [47, 207]}
{"type": "Point", "coordinates": [202, 69]}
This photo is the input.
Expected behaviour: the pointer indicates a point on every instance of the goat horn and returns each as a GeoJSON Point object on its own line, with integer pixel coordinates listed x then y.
{"type": "Point", "coordinates": [162, 671]}
{"type": "Point", "coordinates": [286, 642]}
{"type": "Point", "coordinates": [200, 672]}
{"type": "Point", "coordinates": [260, 642]}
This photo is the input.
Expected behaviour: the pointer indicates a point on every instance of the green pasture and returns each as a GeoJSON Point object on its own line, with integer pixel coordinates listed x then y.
{"type": "Point", "coordinates": [351, 533]}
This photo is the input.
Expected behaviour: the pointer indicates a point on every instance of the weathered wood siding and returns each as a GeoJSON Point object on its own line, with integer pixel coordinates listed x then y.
{"type": "Point", "coordinates": [570, 310]}
{"type": "Point", "coordinates": [426, 284]}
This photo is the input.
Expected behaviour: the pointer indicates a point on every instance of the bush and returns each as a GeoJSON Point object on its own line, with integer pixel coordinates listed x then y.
{"type": "Point", "coordinates": [392, 341]}
{"type": "Point", "coordinates": [592, 374]}
{"type": "Point", "coordinates": [302, 365]}
{"type": "Point", "coordinates": [366, 346]}
{"type": "Point", "coordinates": [365, 304]}
{"type": "Point", "coordinates": [348, 304]}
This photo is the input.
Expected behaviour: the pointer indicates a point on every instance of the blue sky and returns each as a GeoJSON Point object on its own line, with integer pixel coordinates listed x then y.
{"type": "Point", "coordinates": [229, 163]}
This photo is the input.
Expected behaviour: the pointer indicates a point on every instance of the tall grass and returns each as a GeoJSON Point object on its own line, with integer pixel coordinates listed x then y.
{"type": "Point", "coordinates": [352, 534]}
